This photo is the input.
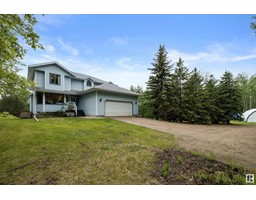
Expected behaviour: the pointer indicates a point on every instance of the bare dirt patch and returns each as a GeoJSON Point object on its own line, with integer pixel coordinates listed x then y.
{"type": "Point", "coordinates": [180, 167]}
{"type": "Point", "coordinates": [229, 143]}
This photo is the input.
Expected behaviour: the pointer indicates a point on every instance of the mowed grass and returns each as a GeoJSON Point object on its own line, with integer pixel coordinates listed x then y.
{"type": "Point", "coordinates": [78, 151]}
{"type": "Point", "coordinates": [243, 123]}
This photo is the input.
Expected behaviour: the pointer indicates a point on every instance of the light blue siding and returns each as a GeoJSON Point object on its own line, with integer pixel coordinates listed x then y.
{"type": "Point", "coordinates": [40, 79]}
{"type": "Point", "coordinates": [85, 84]}
{"type": "Point", "coordinates": [92, 103]}
{"type": "Point", "coordinates": [87, 103]}
{"type": "Point", "coordinates": [106, 96]}
{"type": "Point", "coordinates": [54, 70]}
{"type": "Point", "coordinates": [31, 103]}
{"type": "Point", "coordinates": [77, 85]}
{"type": "Point", "coordinates": [67, 83]}
{"type": "Point", "coordinates": [48, 108]}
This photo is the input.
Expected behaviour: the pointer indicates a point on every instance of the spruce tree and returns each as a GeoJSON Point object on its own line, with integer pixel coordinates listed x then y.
{"type": "Point", "coordinates": [211, 97]}
{"type": "Point", "coordinates": [178, 80]}
{"type": "Point", "coordinates": [229, 98]}
{"type": "Point", "coordinates": [158, 85]}
{"type": "Point", "coordinates": [194, 108]}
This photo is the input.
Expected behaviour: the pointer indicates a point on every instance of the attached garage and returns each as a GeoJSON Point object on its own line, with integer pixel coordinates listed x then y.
{"type": "Point", "coordinates": [117, 108]}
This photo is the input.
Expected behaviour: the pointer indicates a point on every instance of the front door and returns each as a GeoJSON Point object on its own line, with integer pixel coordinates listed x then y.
{"type": "Point", "coordinates": [71, 98]}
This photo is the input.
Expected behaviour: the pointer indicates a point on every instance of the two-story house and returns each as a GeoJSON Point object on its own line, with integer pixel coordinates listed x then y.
{"type": "Point", "coordinates": [56, 85]}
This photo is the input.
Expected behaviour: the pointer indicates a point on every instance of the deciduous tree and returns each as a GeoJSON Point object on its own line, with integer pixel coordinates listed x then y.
{"type": "Point", "coordinates": [13, 30]}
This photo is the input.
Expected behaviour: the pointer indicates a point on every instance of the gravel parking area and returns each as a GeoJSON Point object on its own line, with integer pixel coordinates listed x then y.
{"type": "Point", "coordinates": [229, 143]}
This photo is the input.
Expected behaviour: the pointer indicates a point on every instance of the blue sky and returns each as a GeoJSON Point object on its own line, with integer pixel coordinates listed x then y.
{"type": "Point", "coordinates": [120, 48]}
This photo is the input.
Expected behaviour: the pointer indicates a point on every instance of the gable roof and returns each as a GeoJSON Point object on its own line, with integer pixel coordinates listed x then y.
{"type": "Point", "coordinates": [114, 88]}
{"type": "Point", "coordinates": [84, 76]}
{"type": "Point", "coordinates": [104, 85]}
{"type": "Point", "coordinates": [74, 74]}
{"type": "Point", "coordinates": [51, 63]}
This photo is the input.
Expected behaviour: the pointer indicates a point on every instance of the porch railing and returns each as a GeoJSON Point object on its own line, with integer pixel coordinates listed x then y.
{"type": "Point", "coordinates": [70, 106]}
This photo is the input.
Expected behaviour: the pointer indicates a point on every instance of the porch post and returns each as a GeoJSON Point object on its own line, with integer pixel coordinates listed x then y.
{"type": "Point", "coordinates": [43, 102]}
{"type": "Point", "coordinates": [34, 103]}
{"type": "Point", "coordinates": [31, 102]}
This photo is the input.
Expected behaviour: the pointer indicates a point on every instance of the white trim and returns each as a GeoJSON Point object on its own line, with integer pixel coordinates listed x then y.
{"type": "Point", "coordinates": [45, 79]}
{"type": "Point", "coordinates": [43, 102]}
{"type": "Point", "coordinates": [96, 101]}
{"type": "Point", "coordinates": [35, 78]}
{"type": "Point", "coordinates": [34, 103]}
{"type": "Point", "coordinates": [51, 63]}
{"type": "Point", "coordinates": [118, 108]}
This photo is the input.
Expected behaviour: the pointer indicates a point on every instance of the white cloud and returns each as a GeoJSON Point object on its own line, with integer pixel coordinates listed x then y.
{"type": "Point", "coordinates": [52, 20]}
{"type": "Point", "coordinates": [124, 78]}
{"type": "Point", "coordinates": [215, 55]}
{"type": "Point", "coordinates": [49, 48]}
{"type": "Point", "coordinates": [123, 62]}
{"type": "Point", "coordinates": [67, 46]}
{"type": "Point", "coordinates": [119, 40]}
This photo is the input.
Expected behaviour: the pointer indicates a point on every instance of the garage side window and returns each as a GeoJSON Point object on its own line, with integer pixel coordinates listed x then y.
{"type": "Point", "coordinates": [54, 79]}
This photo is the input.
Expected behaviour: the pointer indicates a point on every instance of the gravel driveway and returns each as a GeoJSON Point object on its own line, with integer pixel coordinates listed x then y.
{"type": "Point", "coordinates": [230, 143]}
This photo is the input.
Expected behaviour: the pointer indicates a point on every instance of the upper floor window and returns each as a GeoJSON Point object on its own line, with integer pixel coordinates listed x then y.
{"type": "Point", "coordinates": [54, 79]}
{"type": "Point", "coordinates": [89, 83]}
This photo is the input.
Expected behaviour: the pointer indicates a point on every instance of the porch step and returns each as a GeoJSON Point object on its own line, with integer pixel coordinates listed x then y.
{"type": "Point", "coordinates": [80, 113]}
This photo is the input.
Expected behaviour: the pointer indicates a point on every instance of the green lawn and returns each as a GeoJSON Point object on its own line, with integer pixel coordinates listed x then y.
{"type": "Point", "coordinates": [78, 151]}
{"type": "Point", "coordinates": [242, 123]}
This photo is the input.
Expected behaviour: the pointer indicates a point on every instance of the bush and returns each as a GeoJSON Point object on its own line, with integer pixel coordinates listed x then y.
{"type": "Point", "coordinates": [13, 105]}
{"type": "Point", "coordinates": [6, 115]}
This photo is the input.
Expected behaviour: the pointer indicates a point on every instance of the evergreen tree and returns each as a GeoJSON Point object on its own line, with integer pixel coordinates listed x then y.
{"type": "Point", "coordinates": [177, 86]}
{"type": "Point", "coordinates": [211, 96]}
{"type": "Point", "coordinates": [194, 99]}
{"type": "Point", "coordinates": [229, 98]}
{"type": "Point", "coordinates": [137, 89]}
{"type": "Point", "coordinates": [158, 85]}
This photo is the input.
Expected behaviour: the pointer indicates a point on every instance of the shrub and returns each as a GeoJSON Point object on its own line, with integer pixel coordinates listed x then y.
{"type": "Point", "coordinates": [6, 115]}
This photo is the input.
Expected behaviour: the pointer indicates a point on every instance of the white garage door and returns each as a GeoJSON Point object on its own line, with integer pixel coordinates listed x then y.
{"type": "Point", "coordinates": [113, 108]}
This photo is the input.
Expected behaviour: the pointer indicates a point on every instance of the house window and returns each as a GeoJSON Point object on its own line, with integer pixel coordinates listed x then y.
{"type": "Point", "coordinates": [54, 79]}
{"type": "Point", "coordinates": [54, 98]}
{"type": "Point", "coordinates": [89, 83]}
{"type": "Point", "coordinates": [39, 98]}
{"type": "Point", "coordinates": [71, 98]}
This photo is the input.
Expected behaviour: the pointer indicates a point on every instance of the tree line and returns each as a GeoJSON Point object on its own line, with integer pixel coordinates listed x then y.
{"type": "Point", "coordinates": [174, 93]}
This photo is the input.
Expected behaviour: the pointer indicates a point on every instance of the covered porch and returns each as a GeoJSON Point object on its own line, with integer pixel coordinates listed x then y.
{"type": "Point", "coordinates": [42, 101]}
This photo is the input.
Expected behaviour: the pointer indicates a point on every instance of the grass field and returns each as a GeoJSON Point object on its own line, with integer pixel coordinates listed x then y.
{"type": "Point", "coordinates": [242, 123]}
{"type": "Point", "coordinates": [101, 151]}
{"type": "Point", "coordinates": [78, 151]}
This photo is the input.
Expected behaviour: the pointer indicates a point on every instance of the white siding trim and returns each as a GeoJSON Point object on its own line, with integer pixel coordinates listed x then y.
{"type": "Point", "coordinates": [96, 101]}
{"type": "Point", "coordinates": [45, 79]}
{"type": "Point", "coordinates": [43, 102]}
{"type": "Point", "coordinates": [35, 78]}
{"type": "Point", "coordinates": [34, 102]}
